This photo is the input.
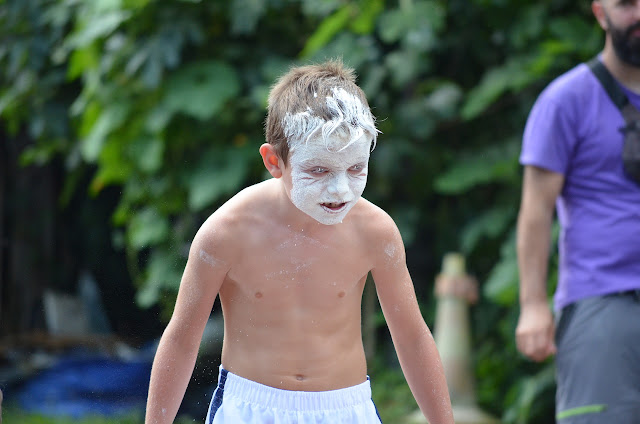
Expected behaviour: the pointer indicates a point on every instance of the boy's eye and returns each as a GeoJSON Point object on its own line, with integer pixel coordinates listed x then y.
{"type": "Point", "coordinates": [357, 168]}
{"type": "Point", "coordinates": [318, 170]}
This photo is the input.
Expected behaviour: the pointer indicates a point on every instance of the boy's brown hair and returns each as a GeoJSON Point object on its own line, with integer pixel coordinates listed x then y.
{"type": "Point", "coordinates": [305, 89]}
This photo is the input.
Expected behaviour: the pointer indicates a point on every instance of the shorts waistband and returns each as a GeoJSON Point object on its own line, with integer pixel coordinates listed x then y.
{"type": "Point", "coordinates": [635, 293]}
{"type": "Point", "coordinates": [260, 394]}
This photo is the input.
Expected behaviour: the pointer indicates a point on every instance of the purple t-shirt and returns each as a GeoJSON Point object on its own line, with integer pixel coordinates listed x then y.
{"type": "Point", "coordinates": [573, 129]}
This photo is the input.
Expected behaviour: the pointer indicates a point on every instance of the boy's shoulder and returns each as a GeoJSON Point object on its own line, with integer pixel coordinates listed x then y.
{"type": "Point", "coordinates": [238, 214]}
{"type": "Point", "coordinates": [368, 209]}
{"type": "Point", "coordinates": [379, 234]}
{"type": "Point", "coordinates": [249, 197]}
{"type": "Point", "coordinates": [372, 219]}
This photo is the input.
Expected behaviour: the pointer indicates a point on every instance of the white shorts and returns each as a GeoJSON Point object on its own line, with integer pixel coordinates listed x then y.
{"type": "Point", "coordinates": [237, 400]}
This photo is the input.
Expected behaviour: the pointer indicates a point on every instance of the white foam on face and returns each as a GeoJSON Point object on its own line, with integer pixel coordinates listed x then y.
{"type": "Point", "coordinates": [321, 177]}
{"type": "Point", "coordinates": [350, 113]}
{"type": "Point", "coordinates": [340, 147]}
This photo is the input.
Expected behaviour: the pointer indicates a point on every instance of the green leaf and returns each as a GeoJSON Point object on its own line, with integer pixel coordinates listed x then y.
{"type": "Point", "coordinates": [96, 26]}
{"type": "Point", "coordinates": [495, 163]}
{"type": "Point", "coordinates": [529, 390]}
{"type": "Point", "coordinates": [157, 119]}
{"type": "Point", "coordinates": [245, 15]}
{"type": "Point", "coordinates": [403, 66]}
{"type": "Point", "coordinates": [355, 51]}
{"type": "Point", "coordinates": [513, 75]}
{"type": "Point", "coordinates": [112, 169]}
{"type": "Point", "coordinates": [82, 60]}
{"type": "Point", "coordinates": [148, 153]}
{"type": "Point", "coordinates": [572, 30]}
{"type": "Point", "coordinates": [135, 4]}
{"type": "Point", "coordinates": [489, 223]}
{"type": "Point", "coordinates": [327, 30]}
{"type": "Point", "coordinates": [147, 227]}
{"type": "Point", "coordinates": [502, 284]}
{"type": "Point", "coordinates": [108, 120]}
{"type": "Point", "coordinates": [392, 25]}
{"type": "Point", "coordinates": [217, 174]}
{"type": "Point", "coordinates": [163, 273]}
{"type": "Point", "coordinates": [369, 10]}
{"type": "Point", "coordinates": [201, 89]}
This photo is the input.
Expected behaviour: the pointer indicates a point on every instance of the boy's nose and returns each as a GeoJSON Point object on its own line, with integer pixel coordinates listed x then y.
{"type": "Point", "coordinates": [339, 185]}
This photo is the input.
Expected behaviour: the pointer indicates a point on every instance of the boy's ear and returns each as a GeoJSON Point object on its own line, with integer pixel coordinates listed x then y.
{"type": "Point", "coordinates": [271, 160]}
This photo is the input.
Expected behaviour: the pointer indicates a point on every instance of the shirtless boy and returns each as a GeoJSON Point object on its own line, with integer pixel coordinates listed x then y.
{"type": "Point", "coordinates": [289, 258]}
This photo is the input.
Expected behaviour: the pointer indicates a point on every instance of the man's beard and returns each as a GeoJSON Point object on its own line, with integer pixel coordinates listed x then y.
{"type": "Point", "coordinates": [626, 45]}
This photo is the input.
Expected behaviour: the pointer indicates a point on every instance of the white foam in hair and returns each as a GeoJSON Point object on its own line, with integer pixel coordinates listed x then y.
{"type": "Point", "coordinates": [350, 113]}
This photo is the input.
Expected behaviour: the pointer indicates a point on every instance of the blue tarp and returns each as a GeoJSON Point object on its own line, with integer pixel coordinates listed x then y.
{"type": "Point", "coordinates": [87, 385]}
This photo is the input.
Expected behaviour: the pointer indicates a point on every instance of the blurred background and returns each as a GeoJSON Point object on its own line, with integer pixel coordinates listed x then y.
{"type": "Point", "coordinates": [125, 123]}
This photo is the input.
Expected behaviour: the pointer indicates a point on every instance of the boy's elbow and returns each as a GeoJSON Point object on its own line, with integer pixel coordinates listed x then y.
{"type": "Point", "coordinates": [180, 339]}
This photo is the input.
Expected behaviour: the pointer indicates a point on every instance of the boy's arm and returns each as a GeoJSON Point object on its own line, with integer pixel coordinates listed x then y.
{"type": "Point", "coordinates": [178, 348]}
{"type": "Point", "coordinates": [414, 344]}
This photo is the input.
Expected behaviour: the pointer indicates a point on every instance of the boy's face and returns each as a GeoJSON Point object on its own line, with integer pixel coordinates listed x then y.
{"type": "Point", "coordinates": [326, 182]}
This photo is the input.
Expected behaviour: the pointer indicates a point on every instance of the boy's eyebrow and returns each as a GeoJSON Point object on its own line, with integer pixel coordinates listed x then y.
{"type": "Point", "coordinates": [317, 161]}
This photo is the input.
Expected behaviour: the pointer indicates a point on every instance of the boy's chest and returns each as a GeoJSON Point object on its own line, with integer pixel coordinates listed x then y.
{"type": "Point", "coordinates": [300, 267]}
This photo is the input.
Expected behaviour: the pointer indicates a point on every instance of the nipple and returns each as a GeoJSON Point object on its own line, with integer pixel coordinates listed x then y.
{"type": "Point", "coordinates": [258, 295]}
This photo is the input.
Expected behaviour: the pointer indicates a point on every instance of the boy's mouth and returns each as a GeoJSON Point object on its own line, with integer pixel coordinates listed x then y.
{"type": "Point", "coordinates": [333, 207]}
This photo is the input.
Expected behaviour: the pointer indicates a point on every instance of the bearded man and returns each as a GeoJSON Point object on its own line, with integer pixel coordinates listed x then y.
{"type": "Point", "coordinates": [573, 147]}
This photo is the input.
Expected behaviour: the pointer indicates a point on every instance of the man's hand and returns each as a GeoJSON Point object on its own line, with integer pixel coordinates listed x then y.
{"type": "Point", "coordinates": [535, 331]}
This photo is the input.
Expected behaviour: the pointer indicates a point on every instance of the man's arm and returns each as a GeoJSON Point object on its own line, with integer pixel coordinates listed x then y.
{"type": "Point", "coordinates": [414, 344]}
{"type": "Point", "coordinates": [178, 348]}
{"type": "Point", "coordinates": [535, 330]}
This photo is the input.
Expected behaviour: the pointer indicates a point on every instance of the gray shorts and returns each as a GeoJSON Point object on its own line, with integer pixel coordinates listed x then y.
{"type": "Point", "coordinates": [598, 361]}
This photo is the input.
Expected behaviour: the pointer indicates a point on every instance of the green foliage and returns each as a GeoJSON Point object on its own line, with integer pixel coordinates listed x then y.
{"type": "Point", "coordinates": [166, 100]}
{"type": "Point", "coordinates": [390, 393]}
